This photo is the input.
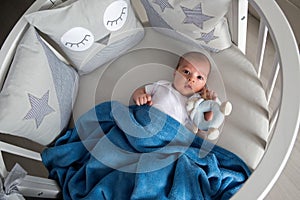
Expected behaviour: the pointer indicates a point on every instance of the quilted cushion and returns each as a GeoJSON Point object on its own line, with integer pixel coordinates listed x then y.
{"type": "Point", "coordinates": [90, 32]}
{"type": "Point", "coordinates": [38, 94]}
{"type": "Point", "coordinates": [202, 20]}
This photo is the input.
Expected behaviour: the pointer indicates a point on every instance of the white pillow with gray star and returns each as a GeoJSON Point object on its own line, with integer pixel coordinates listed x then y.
{"type": "Point", "coordinates": [37, 98]}
{"type": "Point", "coordinates": [90, 33]}
{"type": "Point", "coordinates": [202, 20]}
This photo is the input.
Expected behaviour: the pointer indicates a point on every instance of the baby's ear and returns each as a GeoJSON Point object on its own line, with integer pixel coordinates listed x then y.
{"type": "Point", "coordinates": [174, 72]}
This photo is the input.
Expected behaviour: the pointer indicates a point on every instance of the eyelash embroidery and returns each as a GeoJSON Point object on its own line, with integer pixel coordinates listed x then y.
{"type": "Point", "coordinates": [111, 22]}
{"type": "Point", "coordinates": [78, 43]}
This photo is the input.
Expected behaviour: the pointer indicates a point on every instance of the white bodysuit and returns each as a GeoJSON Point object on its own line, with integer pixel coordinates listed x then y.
{"type": "Point", "coordinates": [167, 99]}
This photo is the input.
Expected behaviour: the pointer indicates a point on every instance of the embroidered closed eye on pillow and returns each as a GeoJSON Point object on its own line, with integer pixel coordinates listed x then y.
{"type": "Point", "coordinates": [38, 94]}
{"type": "Point", "coordinates": [202, 20]}
{"type": "Point", "coordinates": [90, 32]}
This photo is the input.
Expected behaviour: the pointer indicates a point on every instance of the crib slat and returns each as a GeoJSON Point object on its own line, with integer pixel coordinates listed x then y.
{"type": "Point", "coordinates": [39, 187]}
{"type": "Point", "coordinates": [272, 80]}
{"type": "Point", "coordinates": [242, 24]}
{"type": "Point", "coordinates": [273, 120]}
{"type": "Point", "coordinates": [3, 171]}
{"type": "Point", "coordinates": [9, 148]}
{"type": "Point", "coordinates": [261, 46]}
{"type": "Point", "coordinates": [238, 23]}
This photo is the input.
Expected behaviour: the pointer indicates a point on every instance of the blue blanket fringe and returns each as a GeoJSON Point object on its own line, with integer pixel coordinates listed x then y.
{"type": "Point", "coordinates": [137, 152]}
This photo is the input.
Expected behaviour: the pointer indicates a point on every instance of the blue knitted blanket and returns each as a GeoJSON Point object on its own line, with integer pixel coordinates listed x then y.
{"type": "Point", "coordinates": [138, 152]}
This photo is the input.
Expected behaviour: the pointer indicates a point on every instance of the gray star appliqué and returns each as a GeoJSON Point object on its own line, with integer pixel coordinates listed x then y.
{"type": "Point", "coordinates": [207, 37]}
{"type": "Point", "coordinates": [195, 16]}
{"type": "Point", "coordinates": [39, 108]}
{"type": "Point", "coordinates": [163, 4]}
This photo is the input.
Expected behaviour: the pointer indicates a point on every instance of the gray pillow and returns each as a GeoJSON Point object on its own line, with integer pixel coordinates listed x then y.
{"type": "Point", "coordinates": [37, 98]}
{"type": "Point", "coordinates": [90, 32]}
{"type": "Point", "coordinates": [201, 20]}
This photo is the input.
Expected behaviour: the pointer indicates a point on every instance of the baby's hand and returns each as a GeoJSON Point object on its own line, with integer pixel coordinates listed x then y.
{"type": "Point", "coordinates": [140, 97]}
{"type": "Point", "coordinates": [209, 94]}
{"type": "Point", "coordinates": [143, 99]}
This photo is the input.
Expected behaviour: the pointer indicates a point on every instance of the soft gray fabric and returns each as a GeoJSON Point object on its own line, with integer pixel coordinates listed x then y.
{"type": "Point", "coordinates": [38, 94]}
{"type": "Point", "coordinates": [200, 20]}
{"type": "Point", "coordinates": [64, 78]}
{"type": "Point", "coordinates": [90, 32]}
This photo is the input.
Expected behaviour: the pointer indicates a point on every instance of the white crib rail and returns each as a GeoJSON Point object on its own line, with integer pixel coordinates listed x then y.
{"type": "Point", "coordinates": [12, 149]}
{"type": "Point", "coordinates": [262, 40]}
{"type": "Point", "coordinates": [238, 27]}
{"type": "Point", "coordinates": [11, 42]}
{"type": "Point", "coordinates": [284, 120]}
{"type": "Point", "coordinates": [273, 78]}
{"type": "Point", "coordinates": [30, 186]}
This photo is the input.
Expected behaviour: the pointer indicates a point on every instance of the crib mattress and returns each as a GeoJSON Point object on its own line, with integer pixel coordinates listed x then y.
{"type": "Point", "coordinates": [245, 131]}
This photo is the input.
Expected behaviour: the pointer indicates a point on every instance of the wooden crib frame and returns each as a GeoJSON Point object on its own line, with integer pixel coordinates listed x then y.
{"type": "Point", "coordinates": [284, 119]}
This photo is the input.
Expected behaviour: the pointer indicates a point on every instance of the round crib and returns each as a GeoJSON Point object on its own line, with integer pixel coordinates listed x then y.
{"type": "Point", "coordinates": [265, 147]}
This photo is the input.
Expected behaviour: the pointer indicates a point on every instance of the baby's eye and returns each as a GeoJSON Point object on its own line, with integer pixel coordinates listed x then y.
{"type": "Point", "coordinates": [200, 77]}
{"type": "Point", "coordinates": [187, 72]}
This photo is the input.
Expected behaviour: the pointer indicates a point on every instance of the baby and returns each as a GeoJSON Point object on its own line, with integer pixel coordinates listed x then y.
{"type": "Point", "coordinates": [190, 79]}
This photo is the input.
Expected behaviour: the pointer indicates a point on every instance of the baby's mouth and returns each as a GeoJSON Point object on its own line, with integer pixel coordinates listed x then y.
{"type": "Point", "coordinates": [187, 86]}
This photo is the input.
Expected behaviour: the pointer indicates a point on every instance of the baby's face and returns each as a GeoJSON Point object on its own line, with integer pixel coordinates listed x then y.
{"type": "Point", "coordinates": [191, 75]}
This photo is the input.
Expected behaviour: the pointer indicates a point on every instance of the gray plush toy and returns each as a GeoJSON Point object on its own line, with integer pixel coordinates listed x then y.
{"type": "Point", "coordinates": [196, 108]}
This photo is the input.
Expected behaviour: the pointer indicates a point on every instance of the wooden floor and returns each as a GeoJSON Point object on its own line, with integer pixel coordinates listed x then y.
{"type": "Point", "coordinates": [288, 185]}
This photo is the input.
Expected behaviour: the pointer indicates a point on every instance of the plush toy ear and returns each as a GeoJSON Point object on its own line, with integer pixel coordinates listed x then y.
{"type": "Point", "coordinates": [226, 108]}
{"type": "Point", "coordinates": [213, 133]}
{"type": "Point", "coordinates": [195, 128]}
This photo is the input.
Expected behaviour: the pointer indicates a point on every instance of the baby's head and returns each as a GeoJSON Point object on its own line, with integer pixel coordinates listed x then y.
{"type": "Point", "coordinates": [191, 73]}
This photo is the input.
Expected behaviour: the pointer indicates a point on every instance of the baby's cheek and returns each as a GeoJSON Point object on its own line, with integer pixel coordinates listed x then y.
{"type": "Point", "coordinates": [199, 87]}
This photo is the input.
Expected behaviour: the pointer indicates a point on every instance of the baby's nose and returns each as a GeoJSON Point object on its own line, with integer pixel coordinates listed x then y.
{"type": "Point", "coordinates": [191, 79]}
